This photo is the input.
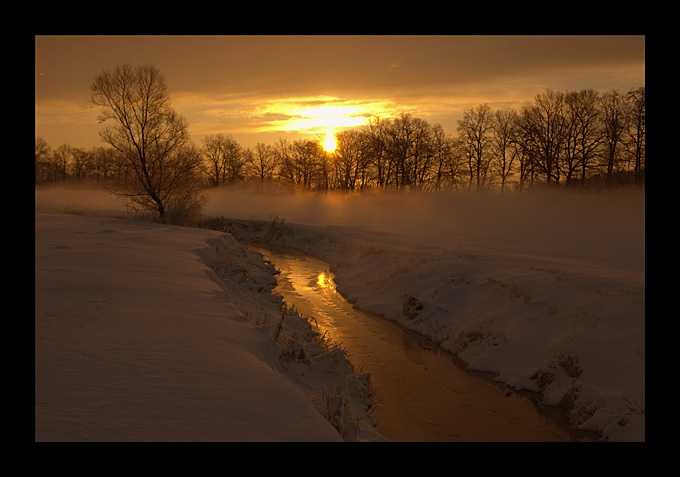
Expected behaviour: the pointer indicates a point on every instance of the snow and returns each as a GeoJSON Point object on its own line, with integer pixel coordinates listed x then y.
{"type": "Point", "coordinates": [138, 338]}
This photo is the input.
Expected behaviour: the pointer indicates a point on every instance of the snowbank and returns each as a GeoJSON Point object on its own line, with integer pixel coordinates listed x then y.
{"type": "Point", "coordinates": [148, 332]}
{"type": "Point", "coordinates": [547, 291]}
{"type": "Point", "coordinates": [549, 295]}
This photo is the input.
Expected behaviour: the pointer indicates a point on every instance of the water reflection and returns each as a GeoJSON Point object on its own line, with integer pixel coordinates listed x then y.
{"type": "Point", "coordinates": [425, 395]}
{"type": "Point", "coordinates": [325, 280]}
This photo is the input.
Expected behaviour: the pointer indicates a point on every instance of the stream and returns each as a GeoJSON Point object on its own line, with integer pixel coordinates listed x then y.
{"type": "Point", "coordinates": [425, 396]}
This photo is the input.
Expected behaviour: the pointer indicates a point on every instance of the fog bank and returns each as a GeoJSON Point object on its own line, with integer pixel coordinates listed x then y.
{"type": "Point", "coordinates": [591, 226]}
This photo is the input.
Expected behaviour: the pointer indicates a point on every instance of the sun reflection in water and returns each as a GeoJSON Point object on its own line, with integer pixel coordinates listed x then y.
{"type": "Point", "coordinates": [324, 280]}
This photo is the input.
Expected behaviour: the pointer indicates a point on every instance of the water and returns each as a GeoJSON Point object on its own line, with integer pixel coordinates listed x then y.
{"type": "Point", "coordinates": [425, 396]}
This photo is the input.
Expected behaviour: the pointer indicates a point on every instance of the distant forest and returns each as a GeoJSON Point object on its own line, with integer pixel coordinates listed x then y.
{"type": "Point", "coordinates": [580, 139]}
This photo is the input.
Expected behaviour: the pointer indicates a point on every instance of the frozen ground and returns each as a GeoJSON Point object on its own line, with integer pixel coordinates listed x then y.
{"type": "Point", "coordinates": [546, 291]}
{"type": "Point", "coordinates": [147, 332]}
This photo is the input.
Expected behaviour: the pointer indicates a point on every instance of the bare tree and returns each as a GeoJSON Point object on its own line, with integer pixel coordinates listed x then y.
{"type": "Point", "coordinates": [213, 151]}
{"type": "Point", "coordinates": [102, 162]}
{"type": "Point", "coordinates": [475, 135]}
{"type": "Point", "coordinates": [262, 162]}
{"type": "Point", "coordinates": [504, 125]}
{"type": "Point", "coordinates": [235, 159]}
{"type": "Point", "coordinates": [636, 130]}
{"type": "Point", "coordinates": [81, 164]}
{"type": "Point", "coordinates": [376, 144]}
{"type": "Point", "coordinates": [543, 129]}
{"type": "Point", "coordinates": [614, 122]}
{"type": "Point", "coordinates": [307, 163]}
{"type": "Point", "coordinates": [583, 116]}
{"type": "Point", "coordinates": [42, 160]}
{"type": "Point", "coordinates": [348, 159]}
{"type": "Point", "coordinates": [150, 135]}
{"type": "Point", "coordinates": [61, 160]}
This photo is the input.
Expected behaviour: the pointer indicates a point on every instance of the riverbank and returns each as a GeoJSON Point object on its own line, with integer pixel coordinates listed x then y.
{"type": "Point", "coordinates": [541, 317]}
{"type": "Point", "coordinates": [149, 332]}
{"type": "Point", "coordinates": [423, 394]}
{"type": "Point", "coordinates": [545, 292]}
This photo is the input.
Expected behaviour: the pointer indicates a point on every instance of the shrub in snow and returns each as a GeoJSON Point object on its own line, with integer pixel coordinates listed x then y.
{"type": "Point", "coordinates": [336, 406]}
{"type": "Point", "coordinates": [479, 336]}
{"type": "Point", "coordinates": [229, 260]}
{"type": "Point", "coordinates": [558, 380]}
{"type": "Point", "coordinates": [302, 349]}
{"type": "Point", "coordinates": [277, 228]}
{"type": "Point", "coordinates": [411, 306]}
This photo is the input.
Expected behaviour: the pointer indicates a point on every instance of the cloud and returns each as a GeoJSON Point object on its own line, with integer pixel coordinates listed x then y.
{"type": "Point", "coordinates": [249, 84]}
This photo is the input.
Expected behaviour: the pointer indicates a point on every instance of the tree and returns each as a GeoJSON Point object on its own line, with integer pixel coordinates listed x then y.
{"type": "Point", "coordinates": [235, 159]}
{"type": "Point", "coordinates": [307, 163]}
{"type": "Point", "coordinates": [82, 163]}
{"type": "Point", "coordinates": [263, 162]}
{"type": "Point", "coordinates": [504, 123]}
{"type": "Point", "coordinates": [213, 151]}
{"type": "Point", "coordinates": [636, 130]}
{"type": "Point", "coordinates": [585, 132]}
{"type": "Point", "coordinates": [151, 137]}
{"type": "Point", "coordinates": [375, 130]}
{"type": "Point", "coordinates": [614, 122]}
{"type": "Point", "coordinates": [61, 160]}
{"type": "Point", "coordinates": [349, 159]}
{"type": "Point", "coordinates": [475, 136]}
{"type": "Point", "coordinates": [543, 128]}
{"type": "Point", "coordinates": [42, 160]}
{"type": "Point", "coordinates": [103, 162]}
{"type": "Point", "coordinates": [225, 159]}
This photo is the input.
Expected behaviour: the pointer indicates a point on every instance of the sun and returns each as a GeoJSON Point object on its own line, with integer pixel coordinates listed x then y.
{"type": "Point", "coordinates": [329, 143]}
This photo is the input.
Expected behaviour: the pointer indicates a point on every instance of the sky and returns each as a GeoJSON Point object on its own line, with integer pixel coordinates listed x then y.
{"type": "Point", "coordinates": [266, 88]}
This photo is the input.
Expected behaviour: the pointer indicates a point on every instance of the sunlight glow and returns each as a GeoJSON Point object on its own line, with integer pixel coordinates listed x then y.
{"type": "Point", "coordinates": [329, 143]}
{"type": "Point", "coordinates": [325, 281]}
{"type": "Point", "coordinates": [317, 115]}
{"type": "Point", "coordinates": [325, 117]}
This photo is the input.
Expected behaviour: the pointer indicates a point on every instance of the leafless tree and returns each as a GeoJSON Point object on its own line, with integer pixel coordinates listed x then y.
{"type": "Point", "coordinates": [636, 130]}
{"type": "Point", "coordinates": [150, 135]}
{"type": "Point", "coordinates": [235, 159]}
{"type": "Point", "coordinates": [504, 125]}
{"type": "Point", "coordinates": [225, 159]}
{"type": "Point", "coordinates": [475, 135]}
{"type": "Point", "coordinates": [103, 163]}
{"type": "Point", "coordinates": [81, 163]}
{"type": "Point", "coordinates": [376, 149]}
{"type": "Point", "coordinates": [306, 161]}
{"type": "Point", "coordinates": [543, 130]}
{"type": "Point", "coordinates": [614, 123]}
{"type": "Point", "coordinates": [213, 152]}
{"type": "Point", "coordinates": [61, 160]}
{"type": "Point", "coordinates": [42, 160]}
{"type": "Point", "coordinates": [349, 159]}
{"type": "Point", "coordinates": [585, 133]}
{"type": "Point", "coordinates": [262, 162]}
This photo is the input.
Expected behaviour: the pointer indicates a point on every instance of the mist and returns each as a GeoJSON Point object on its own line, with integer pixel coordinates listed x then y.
{"type": "Point", "coordinates": [593, 226]}
{"type": "Point", "coordinates": [606, 226]}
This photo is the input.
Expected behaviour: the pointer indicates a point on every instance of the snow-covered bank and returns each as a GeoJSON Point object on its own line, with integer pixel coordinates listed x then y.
{"type": "Point", "coordinates": [548, 295]}
{"type": "Point", "coordinates": [148, 332]}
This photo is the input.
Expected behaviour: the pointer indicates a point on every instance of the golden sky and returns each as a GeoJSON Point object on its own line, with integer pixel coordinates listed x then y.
{"type": "Point", "coordinates": [262, 88]}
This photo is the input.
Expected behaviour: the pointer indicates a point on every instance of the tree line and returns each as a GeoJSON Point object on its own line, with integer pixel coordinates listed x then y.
{"type": "Point", "coordinates": [575, 139]}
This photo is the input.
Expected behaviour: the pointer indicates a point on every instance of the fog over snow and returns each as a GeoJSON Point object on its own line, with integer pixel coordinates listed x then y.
{"type": "Point", "coordinates": [545, 290]}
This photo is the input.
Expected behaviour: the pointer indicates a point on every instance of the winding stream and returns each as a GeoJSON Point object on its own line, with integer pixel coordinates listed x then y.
{"type": "Point", "coordinates": [425, 395]}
